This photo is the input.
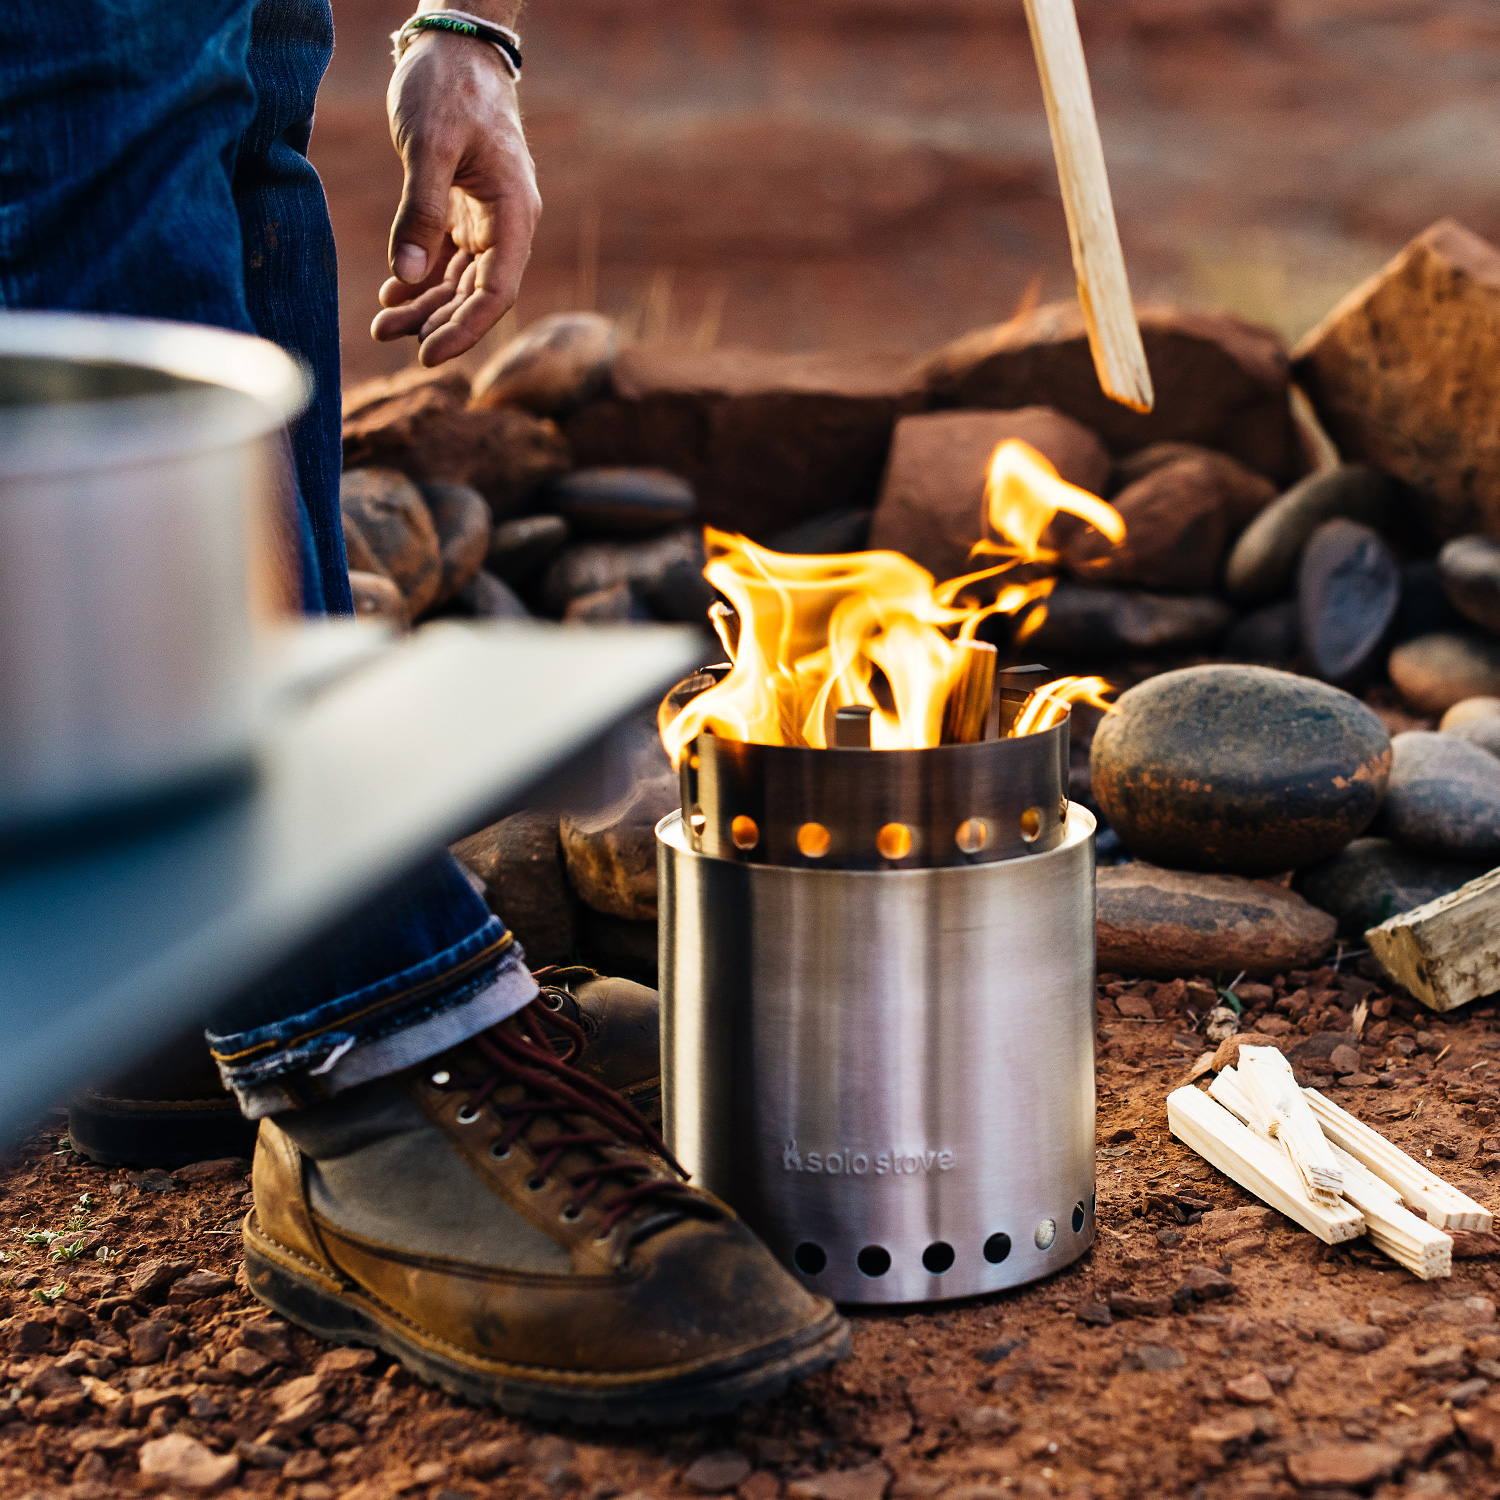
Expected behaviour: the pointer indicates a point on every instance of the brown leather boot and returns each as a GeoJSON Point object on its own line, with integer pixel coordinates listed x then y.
{"type": "Point", "coordinates": [171, 1109]}
{"type": "Point", "coordinates": [621, 1025]}
{"type": "Point", "coordinates": [509, 1229]}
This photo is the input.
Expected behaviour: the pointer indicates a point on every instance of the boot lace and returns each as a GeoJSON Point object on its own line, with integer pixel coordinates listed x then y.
{"type": "Point", "coordinates": [553, 1091]}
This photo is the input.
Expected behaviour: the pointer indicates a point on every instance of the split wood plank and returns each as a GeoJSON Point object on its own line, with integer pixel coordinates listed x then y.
{"type": "Point", "coordinates": [1447, 952]}
{"type": "Point", "coordinates": [1205, 1126]}
{"type": "Point", "coordinates": [1394, 1230]}
{"type": "Point", "coordinates": [1421, 1190]}
{"type": "Point", "coordinates": [1098, 261]}
{"type": "Point", "coordinates": [1266, 1077]}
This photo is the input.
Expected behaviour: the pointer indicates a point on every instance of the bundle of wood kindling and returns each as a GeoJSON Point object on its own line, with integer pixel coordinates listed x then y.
{"type": "Point", "coordinates": [1314, 1162]}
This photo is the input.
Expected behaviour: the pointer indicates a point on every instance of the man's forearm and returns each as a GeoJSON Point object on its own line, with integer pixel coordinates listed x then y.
{"type": "Point", "coordinates": [501, 12]}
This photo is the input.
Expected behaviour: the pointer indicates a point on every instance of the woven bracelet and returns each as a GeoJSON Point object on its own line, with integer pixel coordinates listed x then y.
{"type": "Point", "coordinates": [461, 23]}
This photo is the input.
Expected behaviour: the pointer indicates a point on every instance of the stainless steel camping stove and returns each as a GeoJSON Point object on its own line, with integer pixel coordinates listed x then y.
{"type": "Point", "coordinates": [877, 973]}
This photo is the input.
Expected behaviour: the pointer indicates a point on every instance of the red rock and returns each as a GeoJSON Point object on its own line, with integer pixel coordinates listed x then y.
{"type": "Point", "coordinates": [246, 1363]}
{"type": "Point", "coordinates": [219, 1169]}
{"type": "Point", "coordinates": [1222, 1437]}
{"type": "Point", "coordinates": [1249, 1390]}
{"type": "Point", "coordinates": [389, 511]}
{"type": "Point", "coordinates": [868, 1482]}
{"type": "Point", "coordinates": [520, 861]}
{"type": "Point", "coordinates": [181, 1462]}
{"type": "Point", "coordinates": [358, 553]}
{"type": "Point", "coordinates": [199, 1284]}
{"type": "Point", "coordinates": [1243, 493]}
{"type": "Point", "coordinates": [1178, 522]}
{"type": "Point", "coordinates": [462, 522]}
{"type": "Point", "coordinates": [1220, 381]}
{"type": "Point", "coordinates": [1402, 375]}
{"type": "Point", "coordinates": [349, 1361]}
{"type": "Point", "coordinates": [149, 1340]}
{"type": "Point", "coordinates": [1354, 1338]}
{"type": "Point", "coordinates": [713, 1473]}
{"type": "Point", "coordinates": [1348, 1464]}
{"type": "Point", "coordinates": [1169, 922]}
{"type": "Point", "coordinates": [931, 504]}
{"type": "Point", "coordinates": [765, 439]}
{"type": "Point", "coordinates": [611, 855]}
{"type": "Point", "coordinates": [154, 1276]}
{"type": "Point", "coordinates": [551, 367]}
{"type": "Point", "coordinates": [426, 430]}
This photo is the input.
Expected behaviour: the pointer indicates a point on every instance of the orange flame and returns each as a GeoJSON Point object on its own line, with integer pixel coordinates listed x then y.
{"type": "Point", "coordinates": [816, 634]}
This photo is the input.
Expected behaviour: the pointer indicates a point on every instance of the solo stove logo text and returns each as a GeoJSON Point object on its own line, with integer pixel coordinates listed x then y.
{"type": "Point", "coordinates": [859, 1164]}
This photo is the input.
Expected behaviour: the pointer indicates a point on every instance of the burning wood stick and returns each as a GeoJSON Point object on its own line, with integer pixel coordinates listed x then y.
{"type": "Point", "coordinates": [967, 712]}
{"type": "Point", "coordinates": [1420, 1189]}
{"type": "Point", "coordinates": [1409, 1241]}
{"type": "Point", "coordinates": [1098, 261]}
{"type": "Point", "coordinates": [1446, 952]}
{"type": "Point", "coordinates": [1205, 1126]}
{"type": "Point", "coordinates": [1266, 1078]}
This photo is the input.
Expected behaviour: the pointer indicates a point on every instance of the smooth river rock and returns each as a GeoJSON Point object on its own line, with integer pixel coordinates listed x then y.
{"type": "Point", "coordinates": [377, 598]}
{"type": "Point", "coordinates": [1348, 591]}
{"type": "Point", "coordinates": [1168, 922]}
{"type": "Point", "coordinates": [1238, 768]}
{"type": "Point", "coordinates": [1468, 711]}
{"type": "Point", "coordinates": [590, 567]}
{"type": "Point", "coordinates": [522, 548]}
{"type": "Point", "coordinates": [1270, 635]}
{"type": "Point", "coordinates": [552, 367]}
{"type": "Point", "coordinates": [486, 597]}
{"type": "Point", "coordinates": [1371, 880]}
{"type": "Point", "coordinates": [1470, 569]}
{"type": "Point", "coordinates": [1482, 732]}
{"type": "Point", "coordinates": [519, 861]}
{"type": "Point", "coordinates": [611, 855]}
{"type": "Point", "coordinates": [1443, 798]}
{"type": "Point", "coordinates": [1434, 672]}
{"type": "Point", "coordinates": [1087, 623]}
{"type": "Point", "coordinates": [1263, 563]}
{"type": "Point", "coordinates": [621, 501]}
{"type": "Point", "coordinates": [394, 520]}
{"type": "Point", "coordinates": [462, 522]}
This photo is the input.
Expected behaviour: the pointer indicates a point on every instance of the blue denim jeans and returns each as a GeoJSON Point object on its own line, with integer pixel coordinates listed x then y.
{"type": "Point", "coordinates": [153, 162]}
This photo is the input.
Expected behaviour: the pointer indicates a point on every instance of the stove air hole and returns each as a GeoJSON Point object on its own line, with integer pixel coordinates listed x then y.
{"type": "Point", "coordinates": [1031, 824]}
{"type": "Point", "coordinates": [973, 834]}
{"type": "Point", "coordinates": [744, 832]}
{"type": "Point", "coordinates": [1046, 1232]}
{"type": "Point", "coordinates": [809, 1258]}
{"type": "Point", "coordinates": [1077, 1218]}
{"type": "Point", "coordinates": [996, 1248]}
{"type": "Point", "coordinates": [873, 1260]}
{"type": "Point", "coordinates": [894, 841]}
{"type": "Point", "coordinates": [813, 840]}
{"type": "Point", "coordinates": [938, 1257]}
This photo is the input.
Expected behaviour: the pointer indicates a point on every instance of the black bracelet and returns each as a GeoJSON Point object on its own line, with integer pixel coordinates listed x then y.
{"type": "Point", "coordinates": [461, 23]}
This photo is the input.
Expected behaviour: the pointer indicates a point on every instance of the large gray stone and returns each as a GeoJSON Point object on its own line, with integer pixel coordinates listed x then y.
{"type": "Point", "coordinates": [1443, 798]}
{"type": "Point", "coordinates": [1241, 769]}
{"type": "Point", "coordinates": [553, 366]}
{"type": "Point", "coordinates": [1371, 880]}
{"type": "Point", "coordinates": [1433, 672]}
{"type": "Point", "coordinates": [1470, 569]}
{"type": "Point", "coordinates": [1348, 591]}
{"type": "Point", "coordinates": [462, 522]}
{"type": "Point", "coordinates": [1270, 635]}
{"type": "Point", "coordinates": [1263, 562]}
{"type": "Point", "coordinates": [1482, 732]}
{"type": "Point", "coordinates": [519, 862]}
{"type": "Point", "coordinates": [1105, 624]}
{"type": "Point", "coordinates": [521, 549]}
{"type": "Point", "coordinates": [1168, 922]}
{"type": "Point", "coordinates": [391, 516]}
{"type": "Point", "coordinates": [485, 597]}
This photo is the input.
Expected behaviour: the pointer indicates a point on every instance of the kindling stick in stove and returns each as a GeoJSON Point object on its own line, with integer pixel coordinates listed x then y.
{"type": "Point", "coordinates": [1103, 287]}
{"type": "Point", "coordinates": [967, 712]}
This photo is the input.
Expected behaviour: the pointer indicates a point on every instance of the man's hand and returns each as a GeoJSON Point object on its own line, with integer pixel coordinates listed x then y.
{"type": "Point", "coordinates": [462, 234]}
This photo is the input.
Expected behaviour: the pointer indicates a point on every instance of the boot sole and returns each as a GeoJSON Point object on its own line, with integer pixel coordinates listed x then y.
{"type": "Point", "coordinates": [151, 1133]}
{"type": "Point", "coordinates": [343, 1315]}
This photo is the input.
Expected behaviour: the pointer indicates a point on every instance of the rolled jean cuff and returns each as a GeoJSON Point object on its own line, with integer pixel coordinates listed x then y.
{"type": "Point", "coordinates": [379, 1030]}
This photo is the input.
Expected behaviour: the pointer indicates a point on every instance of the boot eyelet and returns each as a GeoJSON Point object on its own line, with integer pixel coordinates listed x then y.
{"type": "Point", "coordinates": [535, 1185]}
{"type": "Point", "coordinates": [467, 1115]}
{"type": "Point", "coordinates": [568, 1216]}
{"type": "Point", "coordinates": [441, 1078]}
{"type": "Point", "coordinates": [499, 1153]}
{"type": "Point", "coordinates": [551, 999]}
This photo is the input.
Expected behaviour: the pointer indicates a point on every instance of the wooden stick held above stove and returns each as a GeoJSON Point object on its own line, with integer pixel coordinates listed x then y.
{"type": "Point", "coordinates": [1103, 287]}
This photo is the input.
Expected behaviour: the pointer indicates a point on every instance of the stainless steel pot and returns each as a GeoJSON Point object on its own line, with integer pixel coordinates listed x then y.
{"type": "Point", "coordinates": [885, 1065]}
{"type": "Point", "coordinates": [142, 465]}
